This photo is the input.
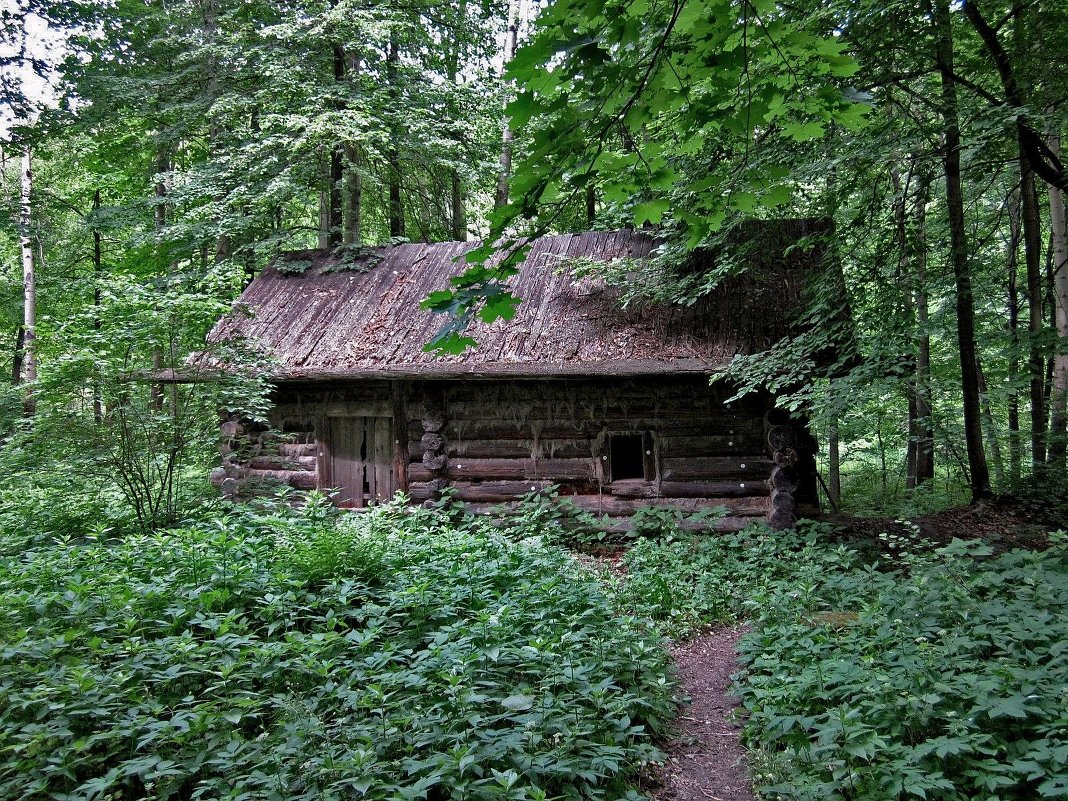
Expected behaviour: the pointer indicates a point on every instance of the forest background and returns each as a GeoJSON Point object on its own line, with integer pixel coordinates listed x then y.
{"type": "Point", "coordinates": [185, 144]}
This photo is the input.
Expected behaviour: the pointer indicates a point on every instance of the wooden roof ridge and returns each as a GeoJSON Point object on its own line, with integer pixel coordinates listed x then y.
{"type": "Point", "coordinates": [356, 314]}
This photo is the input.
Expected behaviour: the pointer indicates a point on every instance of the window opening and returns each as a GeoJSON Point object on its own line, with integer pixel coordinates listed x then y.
{"type": "Point", "coordinates": [627, 454]}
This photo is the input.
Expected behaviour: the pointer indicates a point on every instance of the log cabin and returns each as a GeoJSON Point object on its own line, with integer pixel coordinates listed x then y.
{"type": "Point", "coordinates": [612, 405]}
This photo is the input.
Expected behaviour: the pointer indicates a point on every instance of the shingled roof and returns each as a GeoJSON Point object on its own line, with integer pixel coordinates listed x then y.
{"type": "Point", "coordinates": [333, 322]}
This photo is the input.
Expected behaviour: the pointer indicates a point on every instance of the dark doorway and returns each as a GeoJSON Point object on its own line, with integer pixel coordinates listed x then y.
{"type": "Point", "coordinates": [627, 456]}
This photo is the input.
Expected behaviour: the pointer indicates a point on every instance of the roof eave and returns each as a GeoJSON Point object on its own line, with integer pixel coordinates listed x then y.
{"type": "Point", "coordinates": [447, 371]}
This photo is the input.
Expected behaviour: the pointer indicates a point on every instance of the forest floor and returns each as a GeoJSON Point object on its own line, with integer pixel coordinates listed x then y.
{"type": "Point", "coordinates": [1003, 522]}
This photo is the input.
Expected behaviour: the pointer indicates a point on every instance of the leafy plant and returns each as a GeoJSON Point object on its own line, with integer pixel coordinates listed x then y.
{"type": "Point", "coordinates": [305, 655]}
{"type": "Point", "coordinates": [944, 680]}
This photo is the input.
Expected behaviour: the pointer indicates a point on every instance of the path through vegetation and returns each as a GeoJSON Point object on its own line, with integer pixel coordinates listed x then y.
{"type": "Point", "coordinates": [706, 759]}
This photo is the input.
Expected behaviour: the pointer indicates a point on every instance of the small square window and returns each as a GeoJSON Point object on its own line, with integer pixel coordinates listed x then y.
{"type": "Point", "coordinates": [627, 457]}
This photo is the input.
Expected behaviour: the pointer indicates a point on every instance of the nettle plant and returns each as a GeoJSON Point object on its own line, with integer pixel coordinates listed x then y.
{"type": "Point", "coordinates": [391, 655]}
{"type": "Point", "coordinates": [941, 675]}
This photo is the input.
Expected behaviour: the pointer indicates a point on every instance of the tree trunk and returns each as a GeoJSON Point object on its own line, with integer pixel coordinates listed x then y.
{"type": "Point", "coordinates": [354, 186]}
{"type": "Point", "coordinates": [1012, 265]}
{"type": "Point", "coordinates": [396, 204]}
{"type": "Point", "coordinates": [1059, 399]}
{"type": "Point", "coordinates": [458, 216]}
{"type": "Point", "coordinates": [912, 269]}
{"type": "Point", "coordinates": [323, 171]}
{"type": "Point", "coordinates": [504, 171]}
{"type": "Point", "coordinates": [924, 423]}
{"type": "Point", "coordinates": [973, 431]}
{"type": "Point", "coordinates": [29, 283]}
{"type": "Point", "coordinates": [989, 427]}
{"type": "Point", "coordinates": [98, 277]}
{"type": "Point", "coordinates": [16, 357]}
{"type": "Point", "coordinates": [337, 164]}
{"type": "Point", "coordinates": [459, 212]}
{"type": "Point", "coordinates": [353, 209]}
{"type": "Point", "coordinates": [163, 166]}
{"type": "Point", "coordinates": [1032, 242]}
{"type": "Point", "coordinates": [834, 463]}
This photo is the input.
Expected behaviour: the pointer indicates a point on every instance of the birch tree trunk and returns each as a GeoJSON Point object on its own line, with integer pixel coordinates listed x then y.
{"type": "Point", "coordinates": [29, 283]}
{"type": "Point", "coordinates": [1059, 392]}
{"type": "Point", "coordinates": [504, 172]}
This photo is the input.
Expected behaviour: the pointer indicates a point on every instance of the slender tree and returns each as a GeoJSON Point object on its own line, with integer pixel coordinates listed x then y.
{"type": "Point", "coordinates": [959, 255]}
{"type": "Point", "coordinates": [1059, 391]}
{"type": "Point", "coordinates": [504, 171]}
{"type": "Point", "coordinates": [29, 281]}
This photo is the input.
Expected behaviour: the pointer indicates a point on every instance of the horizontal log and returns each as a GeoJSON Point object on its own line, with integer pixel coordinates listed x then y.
{"type": "Point", "coordinates": [709, 444]}
{"type": "Point", "coordinates": [620, 524]}
{"type": "Point", "coordinates": [312, 409]}
{"type": "Point", "coordinates": [461, 469]}
{"type": "Point", "coordinates": [637, 488]}
{"type": "Point", "coordinates": [495, 491]}
{"type": "Point", "coordinates": [690, 424]}
{"type": "Point", "coordinates": [717, 468]}
{"type": "Point", "coordinates": [610, 505]}
{"type": "Point", "coordinates": [282, 463]}
{"type": "Point", "coordinates": [299, 479]}
{"type": "Point", "coordinates": [526, 447]}
{"type": "Point", "coordinates": [297, 449]}
{"type": "Point", "coordinates": [486, 421]}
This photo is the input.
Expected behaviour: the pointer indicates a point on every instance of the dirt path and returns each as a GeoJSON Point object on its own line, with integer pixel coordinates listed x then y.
{"type": "Point", "coordinates": [706, 761]}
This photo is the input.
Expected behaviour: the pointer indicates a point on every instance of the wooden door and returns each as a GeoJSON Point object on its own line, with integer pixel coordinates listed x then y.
{"type": "Point", "coordinates": [361, 459]}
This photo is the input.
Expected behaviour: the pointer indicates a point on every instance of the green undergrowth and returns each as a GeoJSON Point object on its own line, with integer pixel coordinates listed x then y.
{"type": "Point", "coordinates": [301, 655]}
{"type": "Point", "coordinates": [931, 674]}
{"type": "Point", "coordinates": [685, 582]}
{"type": "Point", "coordinates": [942, 676]}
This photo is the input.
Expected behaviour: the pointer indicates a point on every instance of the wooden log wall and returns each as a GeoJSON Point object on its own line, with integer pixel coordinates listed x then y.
{"type": "Point", "coordinates": [290, 449]}
{"type": "Point", "coordinates": [504, 439]}
{"type": "Point", "coordinates": [493, 441]}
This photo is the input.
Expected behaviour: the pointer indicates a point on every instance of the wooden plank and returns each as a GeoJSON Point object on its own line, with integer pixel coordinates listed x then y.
{"type": "Point", "coordinates": [323, 459]}
{"type": "Point", "coordinates": [348, 459]}
{"type": "Point", "coordinates": [401, 453]}
{"type": "Point", "coordinates": [383, 457]}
